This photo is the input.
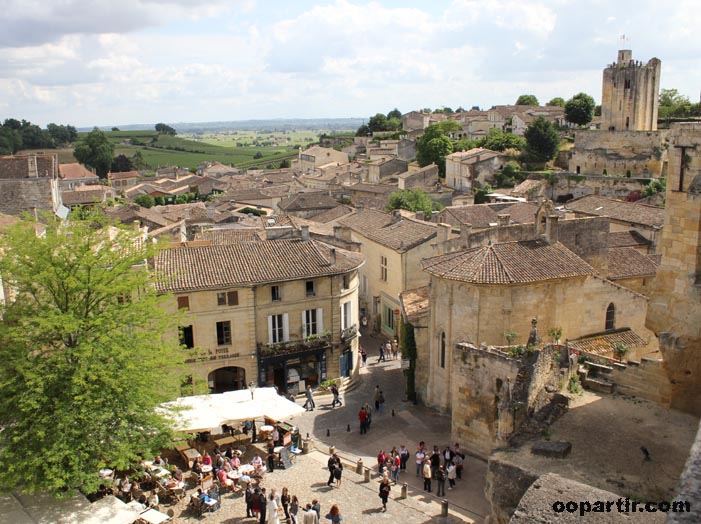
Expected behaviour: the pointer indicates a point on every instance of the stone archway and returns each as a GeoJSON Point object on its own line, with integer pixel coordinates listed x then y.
{"type": "Point", "coordinates": [227, 379]}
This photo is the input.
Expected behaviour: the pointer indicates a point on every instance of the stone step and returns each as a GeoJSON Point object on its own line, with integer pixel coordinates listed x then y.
{"type": "Point", "coordinates": [599, 385]}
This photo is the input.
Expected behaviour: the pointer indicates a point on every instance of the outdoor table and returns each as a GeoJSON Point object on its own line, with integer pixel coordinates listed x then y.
{"type": "Point", "coordinates": [190, 455]}
{"type": "Point", "coordinates": [153, 517]}
{"type": "Point", "coordinates": [206, 469]}
{"type": "Point", "coordinates": [246, 469]}
{"type": "Point", "coordinates": [233, 474]}
{"type": "Point", "coordinates": [266, 432]}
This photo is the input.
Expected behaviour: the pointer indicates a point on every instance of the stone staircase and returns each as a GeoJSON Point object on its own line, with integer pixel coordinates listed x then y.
{"type": "Point", "coordinates": [593, 376]}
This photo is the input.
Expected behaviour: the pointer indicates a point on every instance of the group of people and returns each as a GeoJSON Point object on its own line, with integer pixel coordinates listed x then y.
{"type": "Point", "coordinates": [439, 465]}
{"type": "Point", "coordinates": [272, 508]}
{"type": "Point", "coordinates": [389, 350]}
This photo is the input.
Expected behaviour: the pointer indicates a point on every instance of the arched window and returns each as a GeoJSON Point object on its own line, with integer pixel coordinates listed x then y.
{"type": "Point", "coordinates": [610, 317]}
{"type": "Point", "coordinates": [443, 349]}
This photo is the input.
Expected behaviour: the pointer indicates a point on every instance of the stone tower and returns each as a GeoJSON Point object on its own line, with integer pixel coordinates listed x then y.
{"type": "Point", "coordinates": [629, 97]}
{"type": "Point", "coordinates": [674, 310]}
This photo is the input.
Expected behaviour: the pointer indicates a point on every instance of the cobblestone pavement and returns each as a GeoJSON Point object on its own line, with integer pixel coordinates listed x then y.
{"type": "Point", "coordinates": [400, 423]}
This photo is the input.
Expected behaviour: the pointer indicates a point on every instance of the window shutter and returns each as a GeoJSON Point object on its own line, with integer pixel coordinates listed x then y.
{"type": "Point", "coordinates": [233, 298]}
{"type": "Point", "coordinates": [305, 331]}
{"type": "Point", "coordinates": [350, 313]}
{"type": "Point", "coordinates": [320, 321]}
{"type": "Point", "coordinates": [343, 319]}
{"type": "Point", "coordinates": [270, 329]}
{"type": "Point", "coordinates": [286, 327]}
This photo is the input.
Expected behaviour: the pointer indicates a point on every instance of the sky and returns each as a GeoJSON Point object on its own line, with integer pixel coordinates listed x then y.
{"type": "Point", "coordinates": [112, 62]}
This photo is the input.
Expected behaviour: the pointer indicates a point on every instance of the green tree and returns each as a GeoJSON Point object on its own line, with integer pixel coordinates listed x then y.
{"type": "Point", "coordinates": [121, 164]}
{"type": "Point", "coordinates": [363, 130]}
{"type": "Point", "coordinates": [434, 150]}
{"type": "Point", "coordinates": [95, 151]}
{"type": "Point", "coordinates": [284, 164]}
{"type": "Point", "coordinates": [527, 100]}
{"type": "Point", "coordinates": [542, 140]}
{"type": "Point", "coordinates": [86, 358]}
{"type": "Point", "coordinates": [674, 104]}
{"type": "Point", "coordinates": [498, 140]}
{"type": "Point", "coordinates": [138, 162]}
{"type": "Point", "coordinates": [580, 109]}
{"type": "Point", "coordinates": [164, 129]}
{"type": "Point", "coordinates": [378, 122]}
{"type": "Point", "coordinates": [145, 200]}
{"type": "Point", "coordinates": [658, 185]}
{"type": "Point", "coordinates": [412, 200]}
{"type": "Point", "coordinates": [557, 101]}
{"type": "Point", "coordinates": [395, 113]}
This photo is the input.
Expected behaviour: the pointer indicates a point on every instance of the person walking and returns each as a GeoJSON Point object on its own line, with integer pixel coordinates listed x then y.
{"type": "Point", "coordinates": [427, 473]}
{"type": "Point", "coordinates": [363, 418]}
{"type": "Point", "coordinates": [451, 474]}
{"type": "Point", "coordinates": [331, 466]}
{"type": "Point", "coordinates": [376, 397]}
{"type": "Point", "coordinates": [309, 404]}
{"type": "Point", "coordinates": [403, 457]}
{"type": "Point", "coordinates": [334, 515]}
{"type": "Point", "coordinates": [285, 502]}
{"type": "Point", "coordinates": [248, 497]}
{"type": "Point", "coordinates": [458, 461]}
{"type": "Point", "coordinates": [263, 504]}
{"type": "Point", "coordinates": [338, 470]}
{"type": "Point", "coordinates": [435, 459]}
{"type": "Point", "coordinates": [381, 402]}
{"type": "Point", "coordinates": [440, 481]}
{"type": "Point", "coordinates": [419, 456]}
{"type": "Point", "coordinates": [363, 357]}
{"type": "Point", "coordinates": [395, 348]}
{"type": "Point", "coordinates": [336, 397]}
{"type": "Point", "coordinates": [271, 456]}
{"type": "Point", "coordinates": [272, 510]}
{"type": "Point", "coordinates": [309, 516]}
{"type": "Point", "coordinates": [381, 358]}
{"type": "Point", "coordinates": [317, 508]}
{"type": "Point", "coordinates": [395, 468]}
{"type": "Point", "coordinates": [294, 509]}
{"type": "Point", "coordinates": [385, 488]}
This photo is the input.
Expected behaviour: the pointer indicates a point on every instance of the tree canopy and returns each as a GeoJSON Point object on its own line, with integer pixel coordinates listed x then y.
{"type": "Point", "coordinates": [580, 109]}
{"type": "Point", "coordinates": [16, 135]}
{"type": "Point", "coordinates": [673, 104]}
{"type": "Point", "coordinates": [433, 146]}
{"type": "Point", "coordinates": [412, 200]}
{"type": "Point", "coordinates": [542, 140]}
{"type": "Point", "coordinates": [164, 129]}
{"type": "Point", "coordinates": [557, 101]}
{"type": "Point", "coordinates": [498, 140]}
{"type": "Point", "coordinates": [86, 358]}
{"type": "Point", "coordinates": [95, 150]}
{"type": "Point", "coordinates": [527, 100]}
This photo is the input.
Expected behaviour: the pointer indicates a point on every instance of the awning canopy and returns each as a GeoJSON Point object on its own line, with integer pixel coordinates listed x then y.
{"type": "Point", "coordinates": [209, 412]}
{"type": "Point", "coordinates": [42, 508]}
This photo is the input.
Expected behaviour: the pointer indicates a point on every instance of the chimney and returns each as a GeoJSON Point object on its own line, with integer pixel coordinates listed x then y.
{"type": "Point", "coordinates": [396, 214]}
{"type": "Point", "coordinates": [503, 220]}
{"type": "Point", "coordinates": [465, 232]}
{"type": "Point", "coordinates": [342, 233]}
{"type": "Point", "coordinates": [305, 233]}
{"type": "Point", "coordinates": [419, 215]}
{"type": "Point", "coordinates": [443, 233]}
{"type": "Point", "coordinates": [551, 229]}
{"type": "Point", "coordinates": [333, 256]}
{"type": "Point", "coordinates": [434, 216]}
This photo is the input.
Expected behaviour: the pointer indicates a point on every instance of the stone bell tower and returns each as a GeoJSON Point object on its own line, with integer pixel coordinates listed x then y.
{"type": "Point", "coordinates": [629, 98]}
{"type": "Point", "coordinates": [674, 310]}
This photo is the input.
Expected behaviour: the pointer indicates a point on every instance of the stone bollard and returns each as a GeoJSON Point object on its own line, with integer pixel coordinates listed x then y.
{"type": "Point", "coordinates": [367, 474]}
{"type": "Point", "coordinates": [332, 450]}
{"type": "Point", "coordinates": [444, 508]}
{"type": "Point", "coordinates": [405, 488]}
{"type": "Point", "coordinates": [305, 447]}
{"type": "Point", "coordinates": [359, 466]}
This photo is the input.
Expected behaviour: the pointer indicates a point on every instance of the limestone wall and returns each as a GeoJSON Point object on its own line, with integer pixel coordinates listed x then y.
{"type": "Point", "coordinates": [28, 194]}
{"type": "Point", "coordinates": [645, 379]}
{"type": "Point", "coordinates": [421, 178]}
{"type": "Point", "coordinates": [642, 153]}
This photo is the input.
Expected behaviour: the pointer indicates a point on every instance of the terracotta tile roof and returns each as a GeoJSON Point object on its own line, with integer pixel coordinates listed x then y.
{"type": "Point", "coordinates": [522, 212]}
{"type": "Point", "coordinates": [123, 175]}
{"type": "Point", "coordinates": [630, 212]}
{"type": "Point", "coordinates": [307, 201]}
{"type": "Point", "coordinates": [509, 263]}
{"type": "Point", "coordinates": [400, 234]}
{"type": "Point", "coordinates": [415, 303]}
{"type": "Point", "coordinates": [480, 216]}
{"type": "Point", "coordinates": [332, 214]}
{"type": "Point", "coordinates": [629, 238]}
{"type": "Point", "coordinates": [372, 188]}
{"type": "Point", "coordinates": [249, 263]}
{"type": "Point", "coordinates": [628, 262]}
{"type": "Point", "coordinates": [228, 236]}
{"type": "Point", "coordinates": [127, 214]}
{"type": "Point", "coordinates": [472, 156]}
{"type": "Point", "coordinates": [527, 186]}
{"type": "Point", "coordinates": [75, 170]}
{"type": "Point", "coordinates": [90, 196]}
{"type": "Point", "coordinates": [604, 344]}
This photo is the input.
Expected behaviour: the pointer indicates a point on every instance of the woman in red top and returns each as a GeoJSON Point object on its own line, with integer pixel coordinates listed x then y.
{"type": "Point", "coordinates": [206, 460]}
{"type": "Point", "coordinates": [381, 458]}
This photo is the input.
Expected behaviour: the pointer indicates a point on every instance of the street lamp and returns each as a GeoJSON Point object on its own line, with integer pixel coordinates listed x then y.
{"type": "Point", "coordinates": [251, 388]}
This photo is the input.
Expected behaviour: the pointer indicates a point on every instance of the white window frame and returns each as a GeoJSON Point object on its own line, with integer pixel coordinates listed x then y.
{"type": "Point", "coordinates": [346, 315]}
{"type": "Point", "coordinates": [278, 326]}
{"type": "Point", "coordinates": [312, 322]}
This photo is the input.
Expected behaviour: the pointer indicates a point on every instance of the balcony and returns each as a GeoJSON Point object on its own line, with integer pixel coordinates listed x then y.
{"type": "Point", "coordinates": [349, 333]}
{"type": "Point", "coordinates": [295, 346]}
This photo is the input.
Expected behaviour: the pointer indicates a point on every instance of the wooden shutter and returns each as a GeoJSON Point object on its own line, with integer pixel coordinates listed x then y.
{"type": "Point", "coordinates": [305, 331]}
{"type": "Point", "coordinates": [320, 321]}
{"type": "Point", "coordinates": [285, 327]}
{"type": "Point", "coordinates": [232, 298]}
{"type": "Point", "coordinates": [270, 329]}
{"type": "Point", "coordinates": [183, 303]}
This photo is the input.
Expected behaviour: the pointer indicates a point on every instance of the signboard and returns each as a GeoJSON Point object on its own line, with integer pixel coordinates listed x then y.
{"type": "Point", "coordinates": [287, 439]}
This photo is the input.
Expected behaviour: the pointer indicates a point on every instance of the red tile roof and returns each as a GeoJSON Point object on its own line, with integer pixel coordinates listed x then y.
{"type": "Point", "coordinates": [628, 262]}
{"type": "Point", "coordinates": [630, 212]}
{"type": "Point", "coordinates": [75, 170]}
{"type": "Point", "coordinates": [604, 344]}
{"type": "Point", "coordinates": [400, 234]}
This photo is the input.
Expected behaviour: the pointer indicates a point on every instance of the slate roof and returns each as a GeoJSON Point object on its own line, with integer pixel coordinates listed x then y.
{"type": "Point", "coordinates": [628, 262]}
{"type": "Point", "coordinates": [400, 234]}
{"type": "Point", "coordinates": [198, 268]}
{"type": "Point", "coordinates": [630, 212]}
{"type": "Point", "coordinates": [509, 263]}
{"type": "Point", "coordinates": [75, 170]}
{"type": "Point", "coordinates": [629, 238]}
{"type": "Point", "coordinates": [307, 201]}
{"type": "Point", "coordinates": [604, 344]}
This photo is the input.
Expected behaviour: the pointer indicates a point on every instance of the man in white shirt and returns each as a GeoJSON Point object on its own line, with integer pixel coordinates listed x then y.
{"type": "Point", "coordinates": [309, 516]}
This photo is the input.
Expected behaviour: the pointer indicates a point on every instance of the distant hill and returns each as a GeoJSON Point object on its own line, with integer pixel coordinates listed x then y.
{"type": "Point", "coordinates": [274, 125]}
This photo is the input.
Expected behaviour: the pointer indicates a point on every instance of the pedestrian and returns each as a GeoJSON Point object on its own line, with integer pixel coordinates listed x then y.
{"type": "Point", "coordinates": [368, 413]}
{"type": "Point", "coordinates": [338, 470]}
{"type": "Point", "coordinates": [381, 358]}
{"type": "Point", "coordinates": [419, 456]}
{"type": "Point", "coordinates": [427, 473]}
{"type": "Point", "coordinates": [363, 356]}
{"type": "Point", "coordinates": [294, 509]}
{"type": "Point", "coordinates": [403, 457]}
{"type": "Point", "coordinates": [388, 349]}
{"type": "Point", "coordinates": [376, 397]}
{"type": "Point", "coordinates": [381, 401]}
{"type": "Point", "coordinates": [451, 474]}
{"type": "Point", "coordinates": [336, 399]}
{"type": "Point", "coordinates": [272, 510]}
{"type": "Point", "coordinates": [285, 502]}
{"type": "Point", "coordinates": [309, 516]}
{"type": "Point", "coordinates": [317, 508]}
{"type": "Point", "coordinates": [395, 348]}
{"type": "Point", "coordinates": [331, 465]}
{"type": "Point", "coordinates": [435, 459]}
{"type": "Point", "coordinates": [385, 488]}
{"type": "Point", "coordinates": [263, 506]}
{"type": "Point", "coordinates": [248, 496]}
{"type": "Point", "coordinates": [363, 418]}
{"type": "Point", "coordinates": [309, 404]}
{"type": "Point", "coordinates": [395, 468]}
{"type": "Point", "coordinates": [440, 478]}
{"type": "Point", "coordinates": [255, 503]}
{"type": "Point", "coordinates": [253, 432]}
{"type": "Point", "coordinates": [447, 456]}
{"type": "Point", "coordinates": [271, 456]}
{"type": "Point", "coordinates": [381, 459]}
{"type": "Point", "coordinates": [458, 460]}
{"type": "Point", "coordinates": [334, 515]}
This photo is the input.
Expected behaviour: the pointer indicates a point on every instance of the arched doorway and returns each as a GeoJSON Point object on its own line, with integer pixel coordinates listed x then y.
{"type": "Point", "coordinates": [227, 379]}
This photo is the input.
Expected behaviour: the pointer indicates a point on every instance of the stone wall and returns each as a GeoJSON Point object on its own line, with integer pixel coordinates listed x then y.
{"type": "Point", "coordinates": [426, 176]}
{"type": "Point", "coordinates": [645, 379]}
{"type": "Point", "coordinates": [20, 195]}
{"type": "Point", "coordinates": [504, 486]}
{"type": "Point", "coordinates": [642, 153]}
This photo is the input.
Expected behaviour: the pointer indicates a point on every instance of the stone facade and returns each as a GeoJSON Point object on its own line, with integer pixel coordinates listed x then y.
{"type": "Point", "coordinates": [385, 168]}
{"type": "Point", "coordinates": [422, 177]}
{"type": "Point", "coordinates": [675, 302]}
{"type": "Point", "coordinates": [29, 183]}
{"type": "Point", "coordinates": [629, 98]}
{"type": "Point", "coordinates": [620, 153]}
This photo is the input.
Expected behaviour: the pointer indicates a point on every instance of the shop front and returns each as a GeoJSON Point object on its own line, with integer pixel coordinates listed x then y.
{"type": "Point", "coordinates": [292, 371]}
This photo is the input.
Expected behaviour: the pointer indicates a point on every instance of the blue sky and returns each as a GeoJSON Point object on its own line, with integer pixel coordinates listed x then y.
{"type": "Point", "coordinates": [112, 62]}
